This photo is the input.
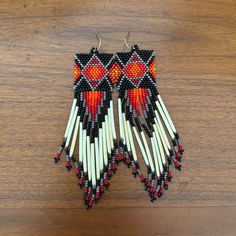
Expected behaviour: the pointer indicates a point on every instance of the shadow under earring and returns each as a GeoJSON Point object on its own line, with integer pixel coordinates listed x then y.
{"type": "Point", "coordinates": [143, 114]}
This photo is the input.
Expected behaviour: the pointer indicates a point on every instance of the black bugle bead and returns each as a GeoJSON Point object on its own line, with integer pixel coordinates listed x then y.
{"type": "Point", "coordinates": [177, 136]}
{"type": "Point", "coordinates": [103, 114]}
{"type": "Point", "coordinates": [99, 121]}
{"type": "Point", "coordinates": [89, 127]}
{"type": "Point", "coordinates": [138, 124]}
{"type": "Point", "coordinates": [92, 136]}
{"type": "Point", "coordinates": [96, 127]}
{"type": "Point", "coordinates": [153, 103]}
{"type": "Point", "coordinates": [76, 91]}
{"type": "Point", "coordinates": [147, 130]}
{"type": "Point", "coordinates": [131, 120]}
{"type": "Point", "coordinates": [104, 108]}
{"type": "Point", "coordinates": [121, 94]}
{"type": "Point", "coordinates": [123, 104]}
{"type": "Point", "coordinates": [151, 118]}
{"type": "Point", "coordinates": [107, 103]}
{"type": "Point", "coordinates": [151, 112]}
{"type": "Point", "coordinates": [77, 102]}
{"type": "Point", "coordinates": [153, 91]}
{"type": "Point", "coordinates": [85, 121]}
{"type": "Point", "coordinates": [150, 124]}
{"type": "Point", "coordinates": [82, 114]}
{"type": "Point", "coordinates": [127, 115]}
{"type": "Point", "coordinates": [67, 151]}
{"type": "Point", "coordinates": [80, 111]}
{"type": "Point", "coordinates": [109, 96]}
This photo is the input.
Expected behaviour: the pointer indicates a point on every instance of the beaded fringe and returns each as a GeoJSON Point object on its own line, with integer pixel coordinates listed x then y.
{"type": "Point", "coordinates": [142, 114]}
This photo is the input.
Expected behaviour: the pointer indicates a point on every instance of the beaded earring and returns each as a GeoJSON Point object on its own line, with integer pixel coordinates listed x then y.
{"type": "Point", "coordinates": [91, 124]}
{"type": "Point", "coordinates": [143, 114]}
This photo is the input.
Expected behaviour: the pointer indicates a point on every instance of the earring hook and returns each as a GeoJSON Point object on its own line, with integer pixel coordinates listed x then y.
{"type": "Point", "coordinates": [126, 40]}
{"type": "Point", "coordinates": [99, 39]}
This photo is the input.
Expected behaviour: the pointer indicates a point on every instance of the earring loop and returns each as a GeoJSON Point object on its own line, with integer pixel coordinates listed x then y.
{"type": "Point", "coordinates": [126, 38]}
{"type": "Point", "coordinates": [99, 39]}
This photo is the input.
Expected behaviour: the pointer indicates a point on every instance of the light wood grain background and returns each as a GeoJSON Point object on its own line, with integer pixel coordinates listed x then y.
{"type": "Point", "coordinates": [196, 46]}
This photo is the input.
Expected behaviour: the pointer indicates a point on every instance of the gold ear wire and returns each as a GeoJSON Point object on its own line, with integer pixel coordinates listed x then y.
{"type": "Point", "coordinates": [126, 40]}
{"type": "Point", "coordinates": [99, 39]}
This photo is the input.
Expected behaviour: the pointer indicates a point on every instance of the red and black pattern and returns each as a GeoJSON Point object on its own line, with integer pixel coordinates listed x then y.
{"type": "Point", "coordinates": [138, 69]}
{"type": "Point", "coordinates": [145, 112]}
{"type": "Point", "coordinates": [91, 71]}
{"type": "Point", "coordinates": [141, 112]}
{"type": "Point", "coordinates": [91, 122]}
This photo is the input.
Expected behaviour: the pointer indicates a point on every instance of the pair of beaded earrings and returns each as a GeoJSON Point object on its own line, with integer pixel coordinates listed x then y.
{"type": "Point", "coordinates": [142, 114]}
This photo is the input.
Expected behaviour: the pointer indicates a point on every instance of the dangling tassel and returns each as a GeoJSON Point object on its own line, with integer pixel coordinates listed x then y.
{"type": "Point", "coordinates": [179, 149]}
{"type": "Point", "coordinates": [137, 88]}
{"type": "Point", "coordinates": [66, 136]}
{"type": "Point", "coordinates": [70, 123]}
{"type": "Point", "coordinates": [91, 125]}
{"type": "Point", "coordinates": [99, 151]}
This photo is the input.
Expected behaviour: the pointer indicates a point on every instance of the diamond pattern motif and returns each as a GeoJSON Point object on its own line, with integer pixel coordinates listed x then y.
{"type": "Point", "coordinates": [94, 74]}
{"type": "Point", "coordinates": [138, 69]}
{"type": "Point", "coordinates": [94, 71]}
{"type": "Point", "coordinates": [135, 69]}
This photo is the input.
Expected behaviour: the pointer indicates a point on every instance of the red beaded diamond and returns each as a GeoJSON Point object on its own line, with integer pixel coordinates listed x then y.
{"type": "Point", "coordinates": [94, 71]}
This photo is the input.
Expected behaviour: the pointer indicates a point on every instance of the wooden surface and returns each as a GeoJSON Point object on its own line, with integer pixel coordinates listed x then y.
{"type": "Point", "coordinates": [196, 46]}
